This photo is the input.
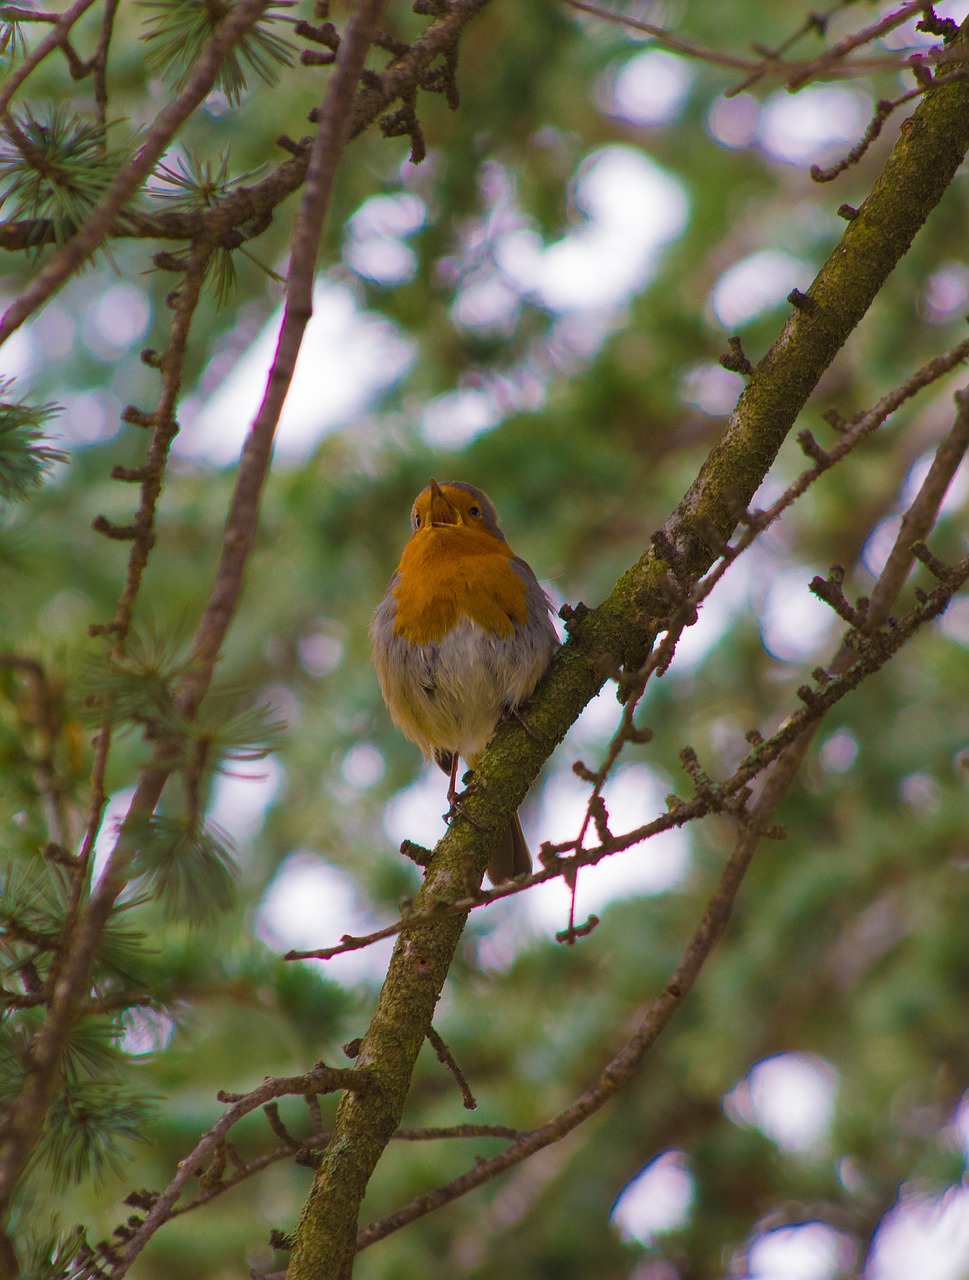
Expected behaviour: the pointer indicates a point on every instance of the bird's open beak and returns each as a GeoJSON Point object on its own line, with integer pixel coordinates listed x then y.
{"type": "Point", "coordinates": [439, 511]}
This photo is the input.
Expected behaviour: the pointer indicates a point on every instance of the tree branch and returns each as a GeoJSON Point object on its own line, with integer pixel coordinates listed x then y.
{"type": "Point", "coordinates": [916, 525]}
{"type": "Point", "coordinates": [619, 633]}
{"type": "Point", "coordinates": [248, 207]}
{"type": "Point", "coordinates": [321, 1080]}
{"type": "Point", "coordinates": [237, 22]}
{"type": "Point", "coordinates": [24, 1120]}
{"type": "Point", "coordinates": [57, 35]}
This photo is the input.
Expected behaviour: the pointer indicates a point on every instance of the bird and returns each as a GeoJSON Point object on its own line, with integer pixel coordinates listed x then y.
{"type": "Point", "coordinates": [460, 639]}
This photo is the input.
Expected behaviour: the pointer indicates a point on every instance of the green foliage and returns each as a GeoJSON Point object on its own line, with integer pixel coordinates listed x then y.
{"type": "Point", "coordinates": [181, 30]}
{"type": "Point", "coordinates": [90, 1127]}
{"type": "Point", "coordinates": [32, 904]}
{"type": "Point", "coordinates": [53, 1254]}
{"type": "Point", "coordinates": [187, 867]}
{"type": "Point", "coordinates": [133, 687]}
{"type": "Point", "coordinates": [13, 44]}
{"type": "Point", "coordinates": [56, 169]}
{"type": "Point", "coordinates": [26, 455]}
{"type": "Point", "coordinates": [136, 688]}
{"type": "Point", "coordinates": [199, 184]}
{"type": "Point", "coordinates": [94, 1116]}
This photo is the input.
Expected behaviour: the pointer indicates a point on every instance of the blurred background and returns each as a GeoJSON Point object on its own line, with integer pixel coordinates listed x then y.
{"type": "Point", "coordinates": [539, 309]}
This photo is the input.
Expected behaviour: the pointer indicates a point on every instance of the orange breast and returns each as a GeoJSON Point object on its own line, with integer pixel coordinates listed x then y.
{"type": "Point", "coordinates": [455, 572]}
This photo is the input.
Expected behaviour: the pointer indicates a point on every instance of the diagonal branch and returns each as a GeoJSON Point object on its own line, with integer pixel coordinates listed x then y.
{"type": "Point", "coordinates": [861, 426]}
{"type": "Point", "coordinates": [916, 524]}
{"type": "Point", "coordinates": [619, 633]}
{"type": "Point", "coordinates": [322, 1079]}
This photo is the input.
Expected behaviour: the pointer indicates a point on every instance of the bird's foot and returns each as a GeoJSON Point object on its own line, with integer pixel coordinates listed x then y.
{"type": "Point", "coordinates": [457, 810]}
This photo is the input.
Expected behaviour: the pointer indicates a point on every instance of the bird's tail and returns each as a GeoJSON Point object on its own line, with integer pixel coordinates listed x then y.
{"type": "Point", "coordinates": [512, 857]}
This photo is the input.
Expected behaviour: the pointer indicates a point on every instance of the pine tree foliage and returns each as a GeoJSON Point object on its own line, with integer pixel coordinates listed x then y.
{"type": "Point", "coordinates": [187, 867]}
{"type": "Point", "coordinates": [55, 169]}
{"type": "Point", "coordinates": [26, 454]}
{"type": "Point", "coordinates": [179, 30]}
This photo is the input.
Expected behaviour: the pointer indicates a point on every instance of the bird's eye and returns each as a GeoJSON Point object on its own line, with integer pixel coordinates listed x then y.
{"type": "Point", "coordinates": [474, 511]}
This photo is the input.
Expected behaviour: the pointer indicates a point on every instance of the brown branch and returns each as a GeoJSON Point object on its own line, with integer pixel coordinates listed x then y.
{"type": "Point", "coordinates": [883, 109]}
{"type": "Point", "coordinates": [99, 61]}
{"type": "Point", "coordinates": [919, 520]}
{"type": "Point", "coordinates": [823, 67]}
{"type": "Point", "coordinates": [45, 716]}
{"type": "Point", "coordinates": [321, 1080]}
{"type": "Point", "coordinates": [24, 1120]}
{"type": "Point", "coordinates": [618, 1073]}
{"type": "Point", "coordinates": [838, 52]}
{"type": "Point", "coordinates": [233, 28]}
{"type": "Point", "coordinates": [315, 1141]}
{"type": "Point", "coordinates": [184, 302]}
{"type": "Point", "coordinates": [256, 454]}
{"type": "Point", "coordinates": [232, 220]}
{"type": "Point", "coordinates": [853, 433]}
{"type": "Point", "coordinates": [57, 35]}
{"type": "Point", "coordinates": [447, 1059]}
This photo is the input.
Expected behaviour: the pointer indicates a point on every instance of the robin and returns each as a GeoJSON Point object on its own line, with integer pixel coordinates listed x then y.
{"type": "Point", "coordinates": [461, 638]}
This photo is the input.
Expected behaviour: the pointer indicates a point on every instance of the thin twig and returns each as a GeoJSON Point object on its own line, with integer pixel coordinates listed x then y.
{"type": "Point", "coordinates": [838, 52]}
{"type": "Point", "coordinates": [756, 69]}
{"type": "Point", "coordinates": [447, 1059]}
{"type": "Point", "coordinates": [314, 1141]}
{"type": "Point", "coordinates": [320, 1080]}
{"type": "Point", "coordinates": [45, 718]}
{"type": "Point", "coordinates": [241, 524]}
{"type": "Point", "coordinates": [184, 302]}
{"type": "Point", "coordinates": [99, 61]}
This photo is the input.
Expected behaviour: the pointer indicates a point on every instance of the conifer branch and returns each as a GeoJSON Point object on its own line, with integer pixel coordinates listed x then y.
{"type": "Point", "coordinates": [233, 28]}
{"type": "Point", "coordinates": [184, 301]}
{"type": "Point", "coordinates": [253, 206]}
{"type": "Point", "coordinates": [619, 633]}
{"type": "Point", "coordinates": [25, 1118]}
